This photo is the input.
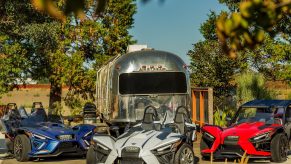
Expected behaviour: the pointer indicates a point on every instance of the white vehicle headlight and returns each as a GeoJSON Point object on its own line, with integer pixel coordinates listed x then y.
{"type": "Point", "coordinates": [102, 146]}
{"type": "Point", "coordinates": [98, 144]}
{"type": "Point", "coordinates": [168, 147]}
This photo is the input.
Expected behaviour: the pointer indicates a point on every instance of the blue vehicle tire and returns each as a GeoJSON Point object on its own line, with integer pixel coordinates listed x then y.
{"type": "Point", "coordinates": [21, 148]}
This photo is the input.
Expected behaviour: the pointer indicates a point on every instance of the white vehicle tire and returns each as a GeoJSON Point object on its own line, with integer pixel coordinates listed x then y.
{"type": "Point", "coordinates": [185, 155]}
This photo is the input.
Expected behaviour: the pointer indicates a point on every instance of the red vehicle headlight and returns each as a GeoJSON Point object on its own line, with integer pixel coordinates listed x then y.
{"type": "Point", "coordinates": [261, 137]}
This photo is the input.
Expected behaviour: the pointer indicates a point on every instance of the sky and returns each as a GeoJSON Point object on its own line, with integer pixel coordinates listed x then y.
{"type": "Point", "coordinates": [172, 25]}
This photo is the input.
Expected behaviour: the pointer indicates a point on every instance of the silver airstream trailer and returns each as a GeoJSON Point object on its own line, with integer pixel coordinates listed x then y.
{"type": "Point", "coordinates": [129, 83]}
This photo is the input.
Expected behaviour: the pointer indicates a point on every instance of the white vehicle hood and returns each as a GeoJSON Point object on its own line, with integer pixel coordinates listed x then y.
{"type": "Point", "coordinates": [146, 140]}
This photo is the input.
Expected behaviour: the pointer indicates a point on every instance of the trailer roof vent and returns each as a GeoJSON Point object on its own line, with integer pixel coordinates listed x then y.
{"type": "Point", "coordinates": [136, 47]}
{"type": "Point", "coordinates": [147, 49]}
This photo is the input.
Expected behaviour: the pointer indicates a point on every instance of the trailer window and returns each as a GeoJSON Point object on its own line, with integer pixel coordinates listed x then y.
{"type": "Point", "coordinates": [152, 83]}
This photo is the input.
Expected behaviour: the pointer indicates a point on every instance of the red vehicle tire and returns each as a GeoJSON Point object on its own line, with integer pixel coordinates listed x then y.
{"type": "Point", "coordinates": [279, 148]}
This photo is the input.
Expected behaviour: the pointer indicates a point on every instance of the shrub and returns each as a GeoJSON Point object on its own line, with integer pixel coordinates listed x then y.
{"type": "Point", "coordinates": [251, 86]}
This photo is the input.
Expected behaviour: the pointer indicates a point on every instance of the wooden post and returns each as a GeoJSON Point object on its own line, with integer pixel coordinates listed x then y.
{"type": "Point", "coordinates": [193, 106]}
{"type": "Point", "coordinates": [210, 105]}
{"type": "Point", "coordinates": [201, 108]}
{"type": "Point", "coordinates": [211, 158]}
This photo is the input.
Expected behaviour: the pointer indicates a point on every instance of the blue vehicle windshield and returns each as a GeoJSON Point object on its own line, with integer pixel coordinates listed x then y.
{"type": "Point", "coordinates": [37, 116]}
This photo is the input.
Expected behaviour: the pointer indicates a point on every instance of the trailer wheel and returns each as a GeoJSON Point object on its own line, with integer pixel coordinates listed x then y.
{"type": "Point", "coordinates": [185, 155]}
{"type": "Point", "coordinates": [279, 148]}
{"type": "Point", "coordinates": [21, 148]}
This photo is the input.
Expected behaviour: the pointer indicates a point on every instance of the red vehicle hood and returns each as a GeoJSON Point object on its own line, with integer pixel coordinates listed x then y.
{"type": "Point", "coordinates": [247, 130]}
{"type": "Point", "coordinates": [243, 131]}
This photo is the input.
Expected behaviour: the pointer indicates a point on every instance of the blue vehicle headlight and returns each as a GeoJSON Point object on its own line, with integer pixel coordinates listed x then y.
{"type": "Point", "coordinates": [88, 133]}
{"type": "Point", "coordinates": [37, 136]}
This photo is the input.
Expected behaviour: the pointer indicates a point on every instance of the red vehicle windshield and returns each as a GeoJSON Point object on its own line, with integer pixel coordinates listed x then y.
{"type": "Point", "coordinates": [266, 115]}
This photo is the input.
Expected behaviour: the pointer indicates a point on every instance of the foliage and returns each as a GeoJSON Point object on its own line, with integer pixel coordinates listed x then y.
{"type": "Point", "coordinates": [272, 59]}
{"type": "Point", "coordinates": [233, 5]}
{"type": "Point", "coordinates": [12, 63]}
{"type": "Point", "coordinates": [219, 118]}
{"type": "Point", "coordinates": [57, 109]}
{"type": "Point", "coordinates": [250, 87]}
{"type": "Point", "coordinates": [37, 45]}
{"type": "Point", "coordinates": [100, 38]}
{"type": "Point", "coordinates": [62, 9]}
{"type": "Point", "coordinates": [208, 28]}
{"type": "Point", "coordinates": [247, 27]}
{"type": "Point", "coordinates": [211, 68]}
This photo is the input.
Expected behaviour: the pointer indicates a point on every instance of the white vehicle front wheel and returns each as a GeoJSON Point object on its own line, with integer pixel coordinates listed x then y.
{"type": "Point", "coordinates": [185, 155]}
{"type": "Point", "coordinates": [91, 157]}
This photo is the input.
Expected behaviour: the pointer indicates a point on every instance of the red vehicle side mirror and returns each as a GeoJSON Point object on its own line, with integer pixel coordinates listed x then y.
{"type": "Point", "coordinates": [278, 121]}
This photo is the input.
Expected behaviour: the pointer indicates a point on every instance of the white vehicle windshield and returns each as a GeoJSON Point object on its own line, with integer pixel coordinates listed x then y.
{"type": "Point", "coordinates": [132, 107]}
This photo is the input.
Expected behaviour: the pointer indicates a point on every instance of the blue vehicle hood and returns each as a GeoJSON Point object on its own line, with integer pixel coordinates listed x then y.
{"type": "Point", "coordinates": [50, 129]}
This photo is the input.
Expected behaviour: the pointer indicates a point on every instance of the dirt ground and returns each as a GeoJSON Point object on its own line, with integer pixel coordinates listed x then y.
{"type": "Point", "coordinates": [26, 96]}
{"type": "Point", "coordinates": [72, 160]}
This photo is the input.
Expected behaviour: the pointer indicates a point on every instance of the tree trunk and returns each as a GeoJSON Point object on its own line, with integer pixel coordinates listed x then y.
{"type": "Point", "coordinates": [55, 96]}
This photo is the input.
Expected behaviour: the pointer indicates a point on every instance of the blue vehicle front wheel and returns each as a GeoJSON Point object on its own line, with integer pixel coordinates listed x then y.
{"type": "Point", "coordinates": [21, 148]}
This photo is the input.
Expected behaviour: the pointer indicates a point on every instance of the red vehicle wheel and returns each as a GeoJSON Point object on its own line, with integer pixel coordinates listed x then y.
{"type": "Point", "coordinates": [279, 148]}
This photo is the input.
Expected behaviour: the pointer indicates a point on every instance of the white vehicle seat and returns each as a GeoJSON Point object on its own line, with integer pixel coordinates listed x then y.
{"type": "Point", "coordinates": [181, 118]}
{"type": "Point", "coordinates": [180, 122]}
{"type": "Point", "coordinates": [149, 119]}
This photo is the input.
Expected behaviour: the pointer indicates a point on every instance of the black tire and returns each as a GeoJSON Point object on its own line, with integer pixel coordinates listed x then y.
{"type": "Point", "coordinates": [21, 148]}
{"type": "Point", "coordinates": [9, 145]}
{"type": "Point", "coordinates": [279, 148]}
{"type": "Point", "coordinates": [203, 146]}
{"type": "Point", "coordinates": [180, 156]}
{"type": "Point", "coordinates": [91, 156]}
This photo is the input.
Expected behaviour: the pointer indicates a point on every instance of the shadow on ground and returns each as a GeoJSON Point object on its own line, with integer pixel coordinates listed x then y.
{"type": "Point", "coordinates": [57, 160]}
